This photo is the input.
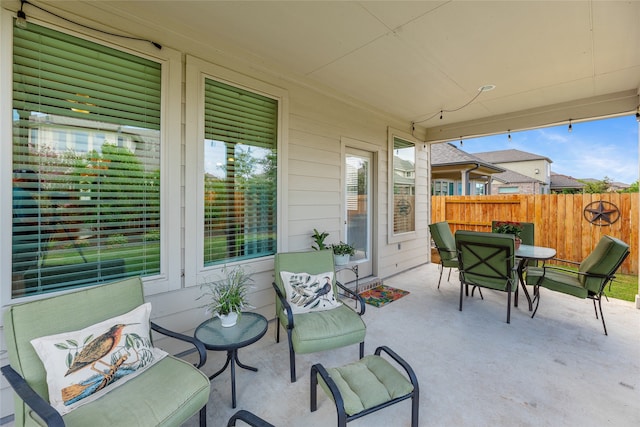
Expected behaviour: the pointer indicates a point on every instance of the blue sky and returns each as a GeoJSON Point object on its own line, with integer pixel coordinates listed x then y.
{"type": "Point", "coordinates": [592, 150]}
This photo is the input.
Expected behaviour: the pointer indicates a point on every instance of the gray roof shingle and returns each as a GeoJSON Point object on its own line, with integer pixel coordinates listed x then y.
{"type": "Point", "coordinates": [511, 155]}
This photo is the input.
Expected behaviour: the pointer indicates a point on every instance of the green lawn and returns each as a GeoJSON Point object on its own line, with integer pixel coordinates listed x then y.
{"type": "Point", "coordinates": [624, 287]}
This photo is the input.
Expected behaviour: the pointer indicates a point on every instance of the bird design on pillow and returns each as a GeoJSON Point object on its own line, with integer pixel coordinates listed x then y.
{"type": "Point", "coordinates": [309, 291]}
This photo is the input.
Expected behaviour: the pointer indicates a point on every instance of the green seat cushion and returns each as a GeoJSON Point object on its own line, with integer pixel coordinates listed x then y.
{"type": "Point", "coordinates": [325, 330]}
{"type": "Point", "coordinates": [367, 383]}
{"type": "Point", "coordinates": [558, 281]}
{"type": "Point", "coordinates": [167, 394]}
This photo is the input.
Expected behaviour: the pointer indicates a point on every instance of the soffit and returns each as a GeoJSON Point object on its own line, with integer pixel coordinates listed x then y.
{"type": "Point", "coordinates": [548, 60]}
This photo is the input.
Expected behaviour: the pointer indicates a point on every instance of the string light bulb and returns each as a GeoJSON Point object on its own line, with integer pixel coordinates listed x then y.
{"type": "Point", "coordinates": [21, 20]}
{"type": "Point", "coordinates": [461, 142]}
{"type": "Point", "coordinates": [509, 134]}
{"type": "Point", "coordinates": [570, 126]}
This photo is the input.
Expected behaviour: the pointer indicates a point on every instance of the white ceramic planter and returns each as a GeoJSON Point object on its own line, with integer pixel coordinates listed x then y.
{"type": "Point", "coordinates": [228, 320]}
{"type": "Point", "coordinates": [341, 259]}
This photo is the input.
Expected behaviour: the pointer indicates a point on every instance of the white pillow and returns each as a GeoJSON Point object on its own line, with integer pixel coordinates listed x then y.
{"type": "Point", "coordinates": [306, 292]}
{"type": "Point", "coordinates": [75, 373]}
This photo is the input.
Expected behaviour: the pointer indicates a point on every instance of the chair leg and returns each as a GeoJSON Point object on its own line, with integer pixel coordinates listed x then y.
{"type": "Point", "coordinates": [601, 314]}
{"type": "Point", "coordinates": [361, 349]}
{"type": "Point", "coordinates": [441, 270]}
{"type": "Point", "coordinates": [449, 278]}
{"type": "Point", "coordinates": [314, 389]}
{"type": "Point", "coordinates": [509, 305]}
{"type": "Point", "coordinates": [415, 406]}
{"type": "Point", "coordinates": [277, 329]}
{"type": "Point", "coordinates": [462, 287]}
{"type": "Point", "coordinates": [292, 358]}
{"type": "Point", "coordinates": [536, 289]}
{"type": "Point", "coordinates": [203, 416]}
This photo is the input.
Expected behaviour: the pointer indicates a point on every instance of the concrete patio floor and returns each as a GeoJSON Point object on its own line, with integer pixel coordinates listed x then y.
{"type": "Point", "coordinates": [474, 369]}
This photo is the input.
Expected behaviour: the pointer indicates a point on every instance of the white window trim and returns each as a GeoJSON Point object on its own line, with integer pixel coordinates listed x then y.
{"type": "Point", "coordinates": [170, 261]}
{"type": "Point", "coordinates": [393, 237]}
{"type": "Point", "coordinates": [196, 72]}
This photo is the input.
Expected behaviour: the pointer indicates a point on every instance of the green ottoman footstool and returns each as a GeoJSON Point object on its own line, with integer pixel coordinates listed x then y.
{"type": "Point", "coordinates": [366, 386]}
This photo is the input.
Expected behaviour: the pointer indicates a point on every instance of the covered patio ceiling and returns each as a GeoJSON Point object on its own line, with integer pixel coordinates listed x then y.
{"type": "Point", "coordinates": [550, 61]}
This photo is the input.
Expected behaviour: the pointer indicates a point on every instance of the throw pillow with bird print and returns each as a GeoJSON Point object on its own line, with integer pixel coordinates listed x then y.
{"type": "Point", "coordinates": [83, 365]}
{"type": "Point", "coordinates": [309, 292]}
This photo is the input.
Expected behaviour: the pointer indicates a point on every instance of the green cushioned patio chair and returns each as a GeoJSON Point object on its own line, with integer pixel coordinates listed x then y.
{"type": "Point", "coordinates": [168, 393]}
{"type": "Point", "coordinates": [593, 274]}
{"type": "Point", "coordinates": [318, 330]}
{"type": "Point", "coordinates": [487, 260]}
{"type": "Point", "coordinates": [446, 246]}
{"type": "Point", "coordinates": [366, 386]}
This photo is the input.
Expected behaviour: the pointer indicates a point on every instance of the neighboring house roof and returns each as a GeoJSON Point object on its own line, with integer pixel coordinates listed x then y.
{"type": "Point", "coordinates": [402, 164]}
{"type": "Point", "coordinates": [613, 186]}
{"type": "Point", "coordinates": [559, 181]}
{"type": "Point", "coordinates": [620, 185]}
{"type": "Point", "coordinates": [507, 156]}
{"type": "Point", "coordinates": [446, 154]}
{"type": "Point", "coordinates": [512, 177]}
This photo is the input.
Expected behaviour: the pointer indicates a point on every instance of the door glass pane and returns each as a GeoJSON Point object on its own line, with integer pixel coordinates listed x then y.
{"type": "Point", "coordinates": [357, 200]}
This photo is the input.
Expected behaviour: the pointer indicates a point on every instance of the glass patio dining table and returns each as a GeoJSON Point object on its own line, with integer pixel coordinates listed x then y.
{"type": "Point", "coordinates": [527, 253]}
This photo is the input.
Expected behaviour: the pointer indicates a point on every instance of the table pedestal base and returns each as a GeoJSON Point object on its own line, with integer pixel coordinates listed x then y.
{"type": "Point", "coordinates": [232, 358]}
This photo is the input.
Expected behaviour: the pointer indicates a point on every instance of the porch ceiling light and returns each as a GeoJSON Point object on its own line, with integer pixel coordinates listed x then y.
{"type": "Point", "coordinates": [481, 89]}
{"type": "Point", "coordinates": [486, 88]}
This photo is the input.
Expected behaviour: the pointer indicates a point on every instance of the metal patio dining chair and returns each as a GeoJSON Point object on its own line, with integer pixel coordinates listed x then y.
{"type": "Point", "coordinates": [487, 260]}
{"type": "Point", "coordinates": [446, 246]}
{"type": "Point", "coordinates": [593, 274]}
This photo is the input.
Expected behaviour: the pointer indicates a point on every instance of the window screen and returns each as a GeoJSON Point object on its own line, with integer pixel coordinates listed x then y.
{"type": "Point", "coordinates": [86, 162]}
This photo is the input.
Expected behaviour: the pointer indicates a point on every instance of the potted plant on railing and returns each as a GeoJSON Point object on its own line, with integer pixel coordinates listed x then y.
{"type": "Point", "coordinates": [510, 227]}
{"type": "Point", "coordinates": [227, 295]}
{"type": "Point", "coordinates": [341, 253]}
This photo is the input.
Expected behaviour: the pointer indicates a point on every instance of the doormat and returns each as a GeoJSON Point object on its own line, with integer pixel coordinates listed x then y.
{"type": "Point", "coordinates": [382, 295]}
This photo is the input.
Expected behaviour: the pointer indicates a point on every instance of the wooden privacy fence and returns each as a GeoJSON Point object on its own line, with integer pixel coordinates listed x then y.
{"type": "Point", "coordinates": [559, 219]}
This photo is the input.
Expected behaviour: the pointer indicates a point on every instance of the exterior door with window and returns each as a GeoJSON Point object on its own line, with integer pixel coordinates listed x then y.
{"type": "Point", "coordinates": [358, 202]}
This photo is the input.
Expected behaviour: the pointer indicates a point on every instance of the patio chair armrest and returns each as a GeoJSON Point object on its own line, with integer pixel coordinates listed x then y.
{"type": "Point", "coordinates": [566, 261]}
{"type": "Point", "coordinates": [285, 304]}
{"type": "Point", "coordinates": [202, 351]}
{"type": "Point", "coordinates": [409, 370]}
{"type": "Point", "coordinates": [316, 370]}
{"type": "Point", "coordinates": [249, 418]}
{"type": "Point", "coordinates": [31, 398]}
{"type": "Point", "coordinates": [355, 296]}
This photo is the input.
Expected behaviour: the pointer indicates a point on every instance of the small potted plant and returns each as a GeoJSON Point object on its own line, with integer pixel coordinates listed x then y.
{"type": "Point", "coordinates": [341, 252]}
{"type": "Point", "coordinates": [510, 227]}
{"type": "Point", "coordinates": [318, 239]}
{"type": "Point", "coordinates": [228, 295]}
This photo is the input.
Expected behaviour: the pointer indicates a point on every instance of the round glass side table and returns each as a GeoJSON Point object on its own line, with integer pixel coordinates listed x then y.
{"type": "Point", "coordinates": [249, 329]}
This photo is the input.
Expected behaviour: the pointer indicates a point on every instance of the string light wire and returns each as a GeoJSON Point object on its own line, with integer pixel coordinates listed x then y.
{"type": "Point", "coordinates": [23, 15]}
{"type": "Point", "coordinates": [441, 112]}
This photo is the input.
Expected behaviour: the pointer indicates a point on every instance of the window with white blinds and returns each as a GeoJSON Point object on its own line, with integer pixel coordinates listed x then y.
{"type": "Point", "coordinates": [240, 164]}
{"type": "Point", "coordinates": [86, 162]}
